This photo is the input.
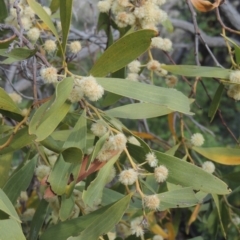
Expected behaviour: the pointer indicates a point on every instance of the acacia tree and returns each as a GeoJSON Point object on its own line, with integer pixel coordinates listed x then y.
{"type": "Point", "coordinates": [70, 169]}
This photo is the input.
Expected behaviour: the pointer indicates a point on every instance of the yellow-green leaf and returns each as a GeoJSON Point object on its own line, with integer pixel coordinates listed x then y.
{"type": "Point", "coordinates": [223, 155]}
{"type": "Point", "coordinates": [54, 5]}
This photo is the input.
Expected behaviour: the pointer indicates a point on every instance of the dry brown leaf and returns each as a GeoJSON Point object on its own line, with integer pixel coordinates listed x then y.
{"type": "Point", "coordinates": [205, 6]}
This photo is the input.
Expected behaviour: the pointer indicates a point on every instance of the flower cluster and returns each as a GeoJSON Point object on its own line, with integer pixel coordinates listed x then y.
{"type": "Point", "coordinates": [99, 128]}
{"type": "Point", "coordinates": [26, 15]}
{"type": "Point", "coordinates": [128, 177]}
{"type": "Point", "coordinates": [75, 47]}
{"type": "Point", "coordinates": [234, 77]}
{"type": "Point", "coordinates": [15, 97]}
{"type": "Point", "coordinates": [234, 92]}
{"type": "Point", "coordinates": [114, 143]}
{"type": "Point", "coordinates": [152, 202]}
{"type": "Point", "coordinates": [208, 167]}
{"type": "Point", "coordinates": [155, 66]}
{"type": "Point", "coordinates": [137, 227]}
{"type": "Point", "coordinates": [50, 46]}
{"type": "Point", "coordinates": [160, 173]}
{"type": "Point", "coordinates": [86, 86]}
{"type": "Point", "coordinates": [151, 159]}
{"type": "Point", "coordinates": [171, 81]}
{"type": "Point", "coordinates": [164, 44]}
{"type": "Point", "coordinates": [134, 68]}
{"type": "Point", "coordinates": [197, 139]}
{"type": "Point", "coordinates": [49, 75]}
{"type": "Point", "coordinates": [42, 171]}
{"type": "Point", "coordinates": [140, 15]}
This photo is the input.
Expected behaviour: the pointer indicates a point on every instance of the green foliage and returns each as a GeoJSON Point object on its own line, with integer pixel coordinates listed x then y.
{"type": "Point", "coordinates": [65, 16]}
{"type": "Point", "coordinates": [139, 111]}
{"type": "Point", "coordinates": [122, 52]}
{"type": "Point", "coordinates": [198, 71]}
{"type": "Point", "coordinates": [92, 225]}
{"type": "Point", "coordinates": [3, 10]}
{"type": "Point", "coordinates": [16, 54]}
{"type": "Point", "coordinates": [70, 169]}
{"type": "Point", "coordinates": [44, 121]}
{"type": "Point", "coordinates": [170, 98]}
{"type": "Point", "coordinates": [23, 177]}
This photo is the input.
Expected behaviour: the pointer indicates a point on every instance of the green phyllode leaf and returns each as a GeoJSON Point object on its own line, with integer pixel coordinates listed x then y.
{"type": "Point", "coordinates": [95, 189]}
{"type": "Point", "coordinates": [138, 111]}
{"type": "Point", "coordinates": [23, 178]}
{"type": "Point", "coordinates": [5, 167]}
{"type": "Point", "coordinates": [65, 16]}
{"type": "Point", "coordinates": [19, 140]}
{"type": "Point", "coordinates": [50, 114]}
{"type": "Point", "coordinates": [170, 98]}
{"type": "Point", "coordinates": [54, 5]}
{"type": "Point", "coordinates": [10, 229]}
{"type": "Point", "coordinates": [78, 136]}
{"type": "Point", "coordinates": [111, 217]}
{"type": "Point", "coordinates": [38, 219]}
{"type": "Point", "coordinates": [17, 54]}
{"type": "Point", "coordinates": [179, 198]}
{"type": "Point", "coordinates": [122, 52]}
{"type": "Point", "coordinates": [72, 155]}
{"type": "Point", "coordinates": [67, 205]}
{"type": "Point", "coordinates": [7, 104]}
{"type": "Point", "coordinates": [3, 10]}
{"type": "Point", "coordinates": [189, 175]}
{"type": "Point", "coordinates": [60, 175]}
{"type": "Point", "coordinates": [97, 148]}
{"type": "Point", "coordinates": [7, 207]}
{"type": "Point", "coordinates": [215, 102]}
{"type": "Point", "coordinates": [216, 200]}
{"type": "Point", "coordinates": [198, 71]}
{"type": "Point", "coordinates": [90, 226]}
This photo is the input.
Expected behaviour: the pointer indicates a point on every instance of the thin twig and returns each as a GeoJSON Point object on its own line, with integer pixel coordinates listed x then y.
{"type": "Point", "coordinates": [15, 130]}
{"type": "Point", "coordinates": [222, 24]}
{"type": "Point", "coordinates": [26, 42]}
{"type": "Point", "coordinates": [197, 33]}
{"type": "Point", "coordinates": [35, 79]}
{"type": "Point", "coordinates": [18, 10]}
